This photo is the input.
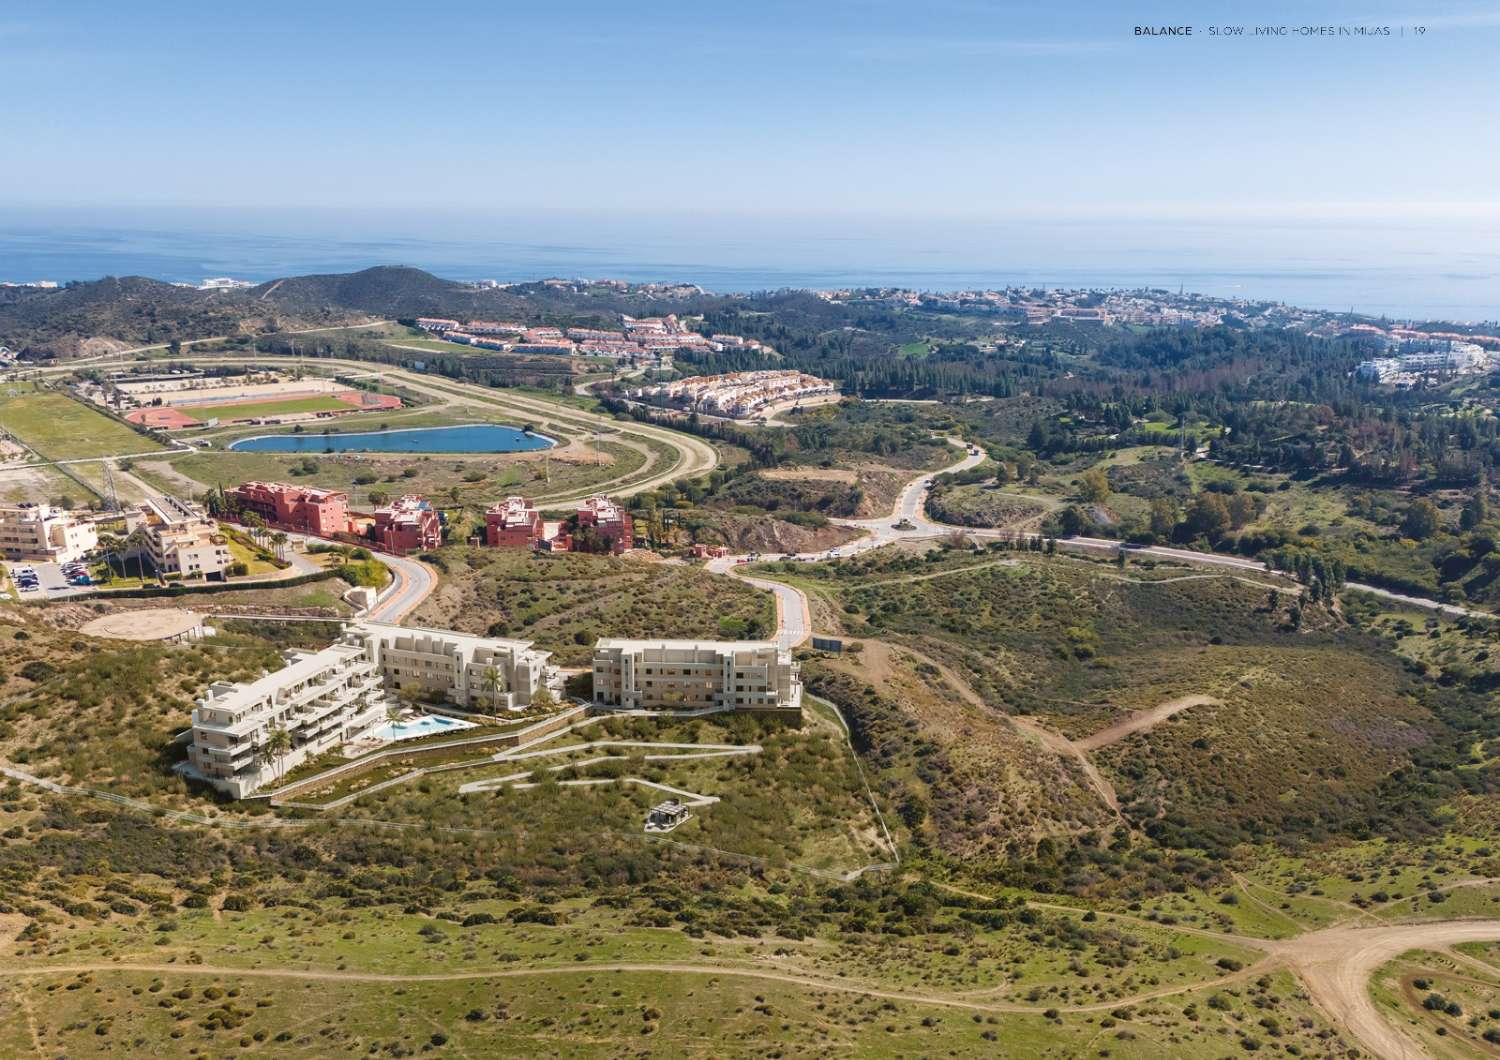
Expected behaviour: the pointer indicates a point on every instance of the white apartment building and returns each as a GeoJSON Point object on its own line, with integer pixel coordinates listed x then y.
{"type": "Point", "coordinates": [180, 538]}
{"type": "Point", "coordinates": [455, 666]}
{"type": "Point", "coordinates": [43, 533]}
{"type": "Point", "coordinates": [695, 675]}
{"type": "Point", "coordinates": [319, 699]}
{"type": "Point", "coordinates": [324, 699]}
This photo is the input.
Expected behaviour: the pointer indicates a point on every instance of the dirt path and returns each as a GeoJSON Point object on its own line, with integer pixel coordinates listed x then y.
{"type": "Point", "coordinates": [1142, 720]}
{"type": "Point", "coordinates": [1059, 744]}
{"type": "Point", "coordinates": [1052, 740]}
{"type": "Point", "coordinates": [707, 968]}
{"type": "Point", "coordinates": [1336, 965]}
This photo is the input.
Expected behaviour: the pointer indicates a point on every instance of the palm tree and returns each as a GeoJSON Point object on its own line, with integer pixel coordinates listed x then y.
{"type": "Point", "coordinates": [493, 680]}
{"type": "Point", "coordinates": [394, 710]}
{"type": "Point", "coordinates": [278, 743]}
{"type": "Point", "coordinates": [279, 539]}
{"type": "Point", "coordinates": [254, 523]}
{"type": "Point", "coordinates": [136, 542]}
{"type": "Point", "coordinates": [109, 544]}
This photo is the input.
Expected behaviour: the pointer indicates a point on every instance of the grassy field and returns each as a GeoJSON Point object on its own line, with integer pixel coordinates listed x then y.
{"type": "Point", "coordinates": [567, 601]}
{"type": "Point", "coordinates": [60, 428]}
{"type": "Point", "coordinates": [284, 407]}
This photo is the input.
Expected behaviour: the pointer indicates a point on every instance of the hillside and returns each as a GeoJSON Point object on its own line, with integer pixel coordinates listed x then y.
{"type": "Point", "coordinates": [118, 313]}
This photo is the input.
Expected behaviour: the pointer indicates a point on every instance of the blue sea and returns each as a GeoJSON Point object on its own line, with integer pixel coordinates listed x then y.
{"type": "Point", "coordinates": [1441, 271]}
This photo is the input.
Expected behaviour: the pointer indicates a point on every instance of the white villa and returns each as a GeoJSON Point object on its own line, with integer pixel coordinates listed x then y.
{"type": "Point", "coordinates": [327, 698]}
{"type": "Point", "coordinates": [695, 675]}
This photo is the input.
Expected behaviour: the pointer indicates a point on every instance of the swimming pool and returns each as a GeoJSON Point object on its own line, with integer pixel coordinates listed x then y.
{"type": "Point", "coordinates": [426, 725]}
{"type": "Point", "coordinates": [466, 438]}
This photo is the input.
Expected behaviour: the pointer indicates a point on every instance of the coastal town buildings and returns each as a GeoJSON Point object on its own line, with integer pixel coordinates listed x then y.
{"type": "Point", "coordinates": [302, 509]}
{"type": "Point", "coordinates": [41, 532]}
{"type": "Point", "coordinates": [695, 675]}
{"type": "Point", "coordinates": [180, 538]}
{"type": "Point", "coordinates": [324, 699]}
{"type": "Point", "coordinates": [409, 524]}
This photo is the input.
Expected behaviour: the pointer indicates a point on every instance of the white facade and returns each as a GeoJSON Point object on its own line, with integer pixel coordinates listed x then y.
{"type": "Point", "coordinates": [319, 699]}
{"type": "Point", "coordinates": [324, 699]}
{"type": "Point", "coordinates": [44, 533]}
{"type": "Point", "coordinates": [695, 675]}
{"type": "Point", "coordinates": [180, 538]}
{"type": "Point", "coordinates": [453, 666]}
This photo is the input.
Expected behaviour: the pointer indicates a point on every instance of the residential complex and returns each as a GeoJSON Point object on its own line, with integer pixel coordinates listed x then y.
{"type": "Point", "coordinates": [651, 339]}
{"type": "Point", "coordinates": [737, 395]}
{"type": "Point", "coordinates": [180, 538]}
{"type": "Point", "coordinates": [303, 509]}
{"type": "Point", "coordinates": [695, 675]}
{"type": "Point", "coordinates": [599, 525]}
{"type": "Point", "coordinates": [407, 525]}
{"type": "Point", "coordinates": [513, 523]}
{"type": "Point", "coordinates": [1418, 358]}
{"type": "Point", "coordinates": [44, 533]}
{"type": "Point", "coordinates": [326, 698]}
{"type": "Point", "coordinates": [602, 525]}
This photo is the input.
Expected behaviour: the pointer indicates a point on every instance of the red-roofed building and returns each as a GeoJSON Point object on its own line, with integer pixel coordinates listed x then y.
{"type": "Point", "coordinates": [513, 523]}
{"type": "Point", "coordinates": [610, 523]}
{"type": "Point", "coordinates": [303, 509]}
{"type": "Point", "coordinates": [407, 525]}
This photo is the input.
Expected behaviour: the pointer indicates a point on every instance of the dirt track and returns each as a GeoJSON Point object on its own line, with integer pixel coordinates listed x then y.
{"type": "Point", "coordinates": [1141, 720]}
{"type": "Point", "coordinates": [1336, 965]}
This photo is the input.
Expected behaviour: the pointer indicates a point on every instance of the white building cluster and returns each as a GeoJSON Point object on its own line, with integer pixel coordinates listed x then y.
{"type": "Point", "coordinates": [737, 395]}
{"type": "Point", "coordinates": [324, 699]}
{"type": "Point", "coordinates": [246, 736]}
{"type": "Point", "coordinates": [1423, 358]}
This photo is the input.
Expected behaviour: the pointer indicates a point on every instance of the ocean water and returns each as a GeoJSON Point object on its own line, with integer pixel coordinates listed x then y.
{"type": "Point", "coordinates": [1441, 271]}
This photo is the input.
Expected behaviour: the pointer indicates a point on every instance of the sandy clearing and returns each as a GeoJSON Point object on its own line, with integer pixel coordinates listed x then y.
{"type": "Point", "coordinates": [1142, 720]}
{"type": "Point", "coordinates": [810, 474]}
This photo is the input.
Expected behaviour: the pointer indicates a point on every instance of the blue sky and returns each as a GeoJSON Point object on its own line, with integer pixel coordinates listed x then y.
{"type": "Point", "coordinates": [941, 109]}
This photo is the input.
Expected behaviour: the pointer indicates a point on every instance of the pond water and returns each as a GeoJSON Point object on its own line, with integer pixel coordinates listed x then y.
{"type": "Point", "coordinates": [467, 438]}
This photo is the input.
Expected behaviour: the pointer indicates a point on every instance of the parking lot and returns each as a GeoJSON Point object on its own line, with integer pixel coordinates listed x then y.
{"type": "Point", "coordinates": [51, 582]}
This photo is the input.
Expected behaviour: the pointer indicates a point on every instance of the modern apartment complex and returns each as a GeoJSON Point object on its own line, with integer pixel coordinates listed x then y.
{"type": "Point", "coordinates": [326, 698]}
{"type": "Point", "coordinates": [407, 525]}
{"type": "Point", "coordinates": [180, 538]}
{"type": "Point", "coordinates": [44, 533]}
{"type": "Point", "coordinates": [302, 509]}
{"type": "Point", "coordinates": [695, 675]}
{"type": "Point", "coordinates": [319, 699]}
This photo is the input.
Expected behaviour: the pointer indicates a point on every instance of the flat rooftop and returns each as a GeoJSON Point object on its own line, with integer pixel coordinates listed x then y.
{"type": "Point", "coordinates": [625, 644]}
